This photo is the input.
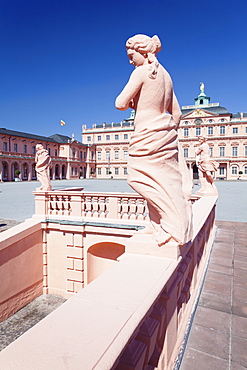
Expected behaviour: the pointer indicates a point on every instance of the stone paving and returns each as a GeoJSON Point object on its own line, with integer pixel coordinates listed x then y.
{"type": "Point", "coordinates": [28, 316]}
{"type": "Point", "coordinates": [218, 336]}
{"type": "Point", "coordinates": [6, 224]}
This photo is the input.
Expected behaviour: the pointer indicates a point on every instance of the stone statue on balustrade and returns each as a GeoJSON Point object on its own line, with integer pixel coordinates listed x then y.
{"type": "Point", "coordinates": [43, 165]}
{"type": "Point", "coordinates": [154, 167]}
{"type": "Point", "coordinates": [206, 166]}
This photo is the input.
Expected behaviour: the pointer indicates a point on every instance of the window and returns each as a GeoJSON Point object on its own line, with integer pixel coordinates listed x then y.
{"type": "Point", "coordinates": [222, 151]}
{"type": "Point", "coordinates": [99, 138]}
{"type": "Point", "coordinates": [234, 170]}
{"type": "Point", "coordinates": [88, 138]}
{"type": "Point", "coordinates": [99, 171]}
{"type": "Point", "coordinates": [222, 130]}
{"type": "Point", "coordinates": [222, 171]}
{"type": "Point", "coordinates": [246, 130]}
{"type": "Point", "coordinates": [126, 173]}
{"type": "Point", "coordinates": [73, 152]}
{"type": "Point", "coordinates": [234, 151]}
{"type": "Point", "coordinates": [107, 137]}
{"type": "Point", "coordinates": [15, 148]}
{"type": "Point", "coordinates": [55, 153]}
{"type": "Point", "coordinates": [76, 171]}
{"type": "Point", "coordinates": [33, 149]}
{"type": "Point", "coordinates": [108, 156]}
{"type": "Point", "coordinates": [186, 152]}
{"type": "Point", "coordinates": [245, 170]}
{"type": "Point", "coordinates": [92, 155]}
{"type": "Point", "coordinates": [116, 154]}
{"type": "Point", "coordinates": [198, 131]}
{"type": "Point", "coordinates": [116, 137]}
{"type": "Point", "coordinates": [125, 136]}
{"type": "Point", "coordinates": [5, 146]}
{"type": "Point", "coordinates": [99, 156]}
{"type": "Point", "coordinates": [107, 171]}
{"type": "Point", "coordinates": [222, 120]}
{"type": "Point", "coordinates": [211, 151]}
{"type": "Point", "coordinates": [186, 131]}
{"type": "Point", "coordinates": [235, 130]}
{"type": "Point", "coordinates": [116, 171]}
{"type": "Point", "coordinates": [210, 130]}
{"type": "Point", "coordinates": [80, 154]}
{"type": "Point", "coordinates": [25, 149]}
{"type": "Point", "coordinates": [210, 121]}
{"type": "Point", "coordinates": [85, 155]}
{"type": "Point", "coordinates": [125, 154]}
{"type": "Point", "coordinates": [245, 151]}
{"type": "Point", "coordinates": [49, 151]}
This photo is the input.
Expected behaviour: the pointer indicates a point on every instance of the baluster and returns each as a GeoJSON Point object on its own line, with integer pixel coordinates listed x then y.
{"type": "Point", "coordinates": [89, 206]}
{"type": "Point", "coordinates": [140, 210]}
{"type": "Point", "coordinates": [125, 208]}
{"type": "Point", "coordinates": [132, 209]}
{"type": "Point", "coordinates": [83, 206]}
{"type": "Point", "coordinates": [119, 208]}
{"type": "Point", "coordinates": [102, 207]}
{"type": "Point", "coordinates": [95, 206]}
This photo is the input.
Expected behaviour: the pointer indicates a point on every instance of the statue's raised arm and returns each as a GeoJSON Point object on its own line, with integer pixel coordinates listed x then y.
{"type": "Point", "coordinates": [153, 168]}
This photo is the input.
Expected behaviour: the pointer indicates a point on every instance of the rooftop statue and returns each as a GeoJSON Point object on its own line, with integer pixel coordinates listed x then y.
{"type": "Point", "coordinates": [43, 164]}
{"type": "Point", "coordinates": [206, 167]}
{"type": "Point", "coordinates": [153, 165]}
{"type": "Point", "coordinates": [202, 87]}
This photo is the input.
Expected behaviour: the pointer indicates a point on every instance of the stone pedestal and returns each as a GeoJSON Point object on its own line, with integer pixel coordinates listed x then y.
{"type": "Point", "coordinates": [147, 245]}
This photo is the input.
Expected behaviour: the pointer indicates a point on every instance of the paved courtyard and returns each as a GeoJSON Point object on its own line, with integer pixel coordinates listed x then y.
{"type": "Point", "coordinates": [17, 199]}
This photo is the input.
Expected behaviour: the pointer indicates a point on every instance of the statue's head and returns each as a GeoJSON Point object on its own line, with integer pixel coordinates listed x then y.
{"type": "Point", "coordinates": [202, 138]}
{"type": "Point", "coordinates": [142, 49]}
{"type": "Point", "coordinates": [144, 44]}
{"type": "Point", "coordinates": [39, 147]}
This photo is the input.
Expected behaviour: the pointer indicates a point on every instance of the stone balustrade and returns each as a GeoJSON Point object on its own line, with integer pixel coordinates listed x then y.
{"type": "Point", "coordinates": [75, 203]}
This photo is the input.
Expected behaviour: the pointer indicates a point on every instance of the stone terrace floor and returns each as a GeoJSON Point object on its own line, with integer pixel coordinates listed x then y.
{"type": "Point", "coordinates": [218, 336]}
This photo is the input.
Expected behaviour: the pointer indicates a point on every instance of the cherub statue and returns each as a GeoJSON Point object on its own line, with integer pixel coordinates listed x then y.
{"type": "Point", "coordinates": [206, 165]}
{"type": "Point", "coordinates": [153, 166]}
{"type": "Point", "coordinates": [43, 165]}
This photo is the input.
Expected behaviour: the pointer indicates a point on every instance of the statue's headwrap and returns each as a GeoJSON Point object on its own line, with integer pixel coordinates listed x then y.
{"type": "Point", "coordinates": [148, 46]}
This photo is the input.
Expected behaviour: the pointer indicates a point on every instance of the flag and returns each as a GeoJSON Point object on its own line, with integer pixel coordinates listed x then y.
{"type": "Point", "coordinates": [62, 123]}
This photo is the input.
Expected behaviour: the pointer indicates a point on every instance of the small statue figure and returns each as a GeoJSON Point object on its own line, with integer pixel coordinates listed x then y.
{"type": "Point", "coordinates": [202, 87]}
{"type": "Point", "coordinates": [153, 165]}
{"type": "Point", "coordinates": [205, 166]}
{"type": "Point", "coordinates": [43, 165]}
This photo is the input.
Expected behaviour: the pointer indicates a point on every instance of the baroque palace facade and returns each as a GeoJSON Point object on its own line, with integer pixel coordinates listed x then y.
{"type": "Point", "coordinates": [226, 133]}
{"type": "Point", "coordinates": [103, 152]}
{"type": "Point", "coordinates": [18, 149]}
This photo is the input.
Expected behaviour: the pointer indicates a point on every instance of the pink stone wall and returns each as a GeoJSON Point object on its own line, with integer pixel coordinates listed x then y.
{"type": "Point", "coordinates": [21, 270]}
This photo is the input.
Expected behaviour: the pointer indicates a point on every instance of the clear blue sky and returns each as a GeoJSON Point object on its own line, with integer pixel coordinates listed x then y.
{"type": "Point", "coordinates": [66, 59]}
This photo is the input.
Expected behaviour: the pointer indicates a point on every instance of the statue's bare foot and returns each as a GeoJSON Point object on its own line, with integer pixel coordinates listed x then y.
{"type": "Point", "coordinates": [149, 229]}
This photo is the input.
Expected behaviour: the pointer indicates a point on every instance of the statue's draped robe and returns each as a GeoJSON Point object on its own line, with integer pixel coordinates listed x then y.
{"type": "Point", "coordinates": [153, 165]}
{"type": "Point", "coordinates": [43, 162]}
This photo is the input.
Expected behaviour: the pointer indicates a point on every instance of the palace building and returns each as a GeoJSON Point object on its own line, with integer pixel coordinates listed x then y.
{"type": "Point", "coordinates": [226, 133]}
{"type": "Point", "coordinates": [18, 149]}
{"type": "Point", "coordinates": [103, 152]}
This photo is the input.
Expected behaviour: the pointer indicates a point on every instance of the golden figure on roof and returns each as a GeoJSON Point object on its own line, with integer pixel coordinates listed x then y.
{"type": "Point", "coordinates": [202, 87]}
